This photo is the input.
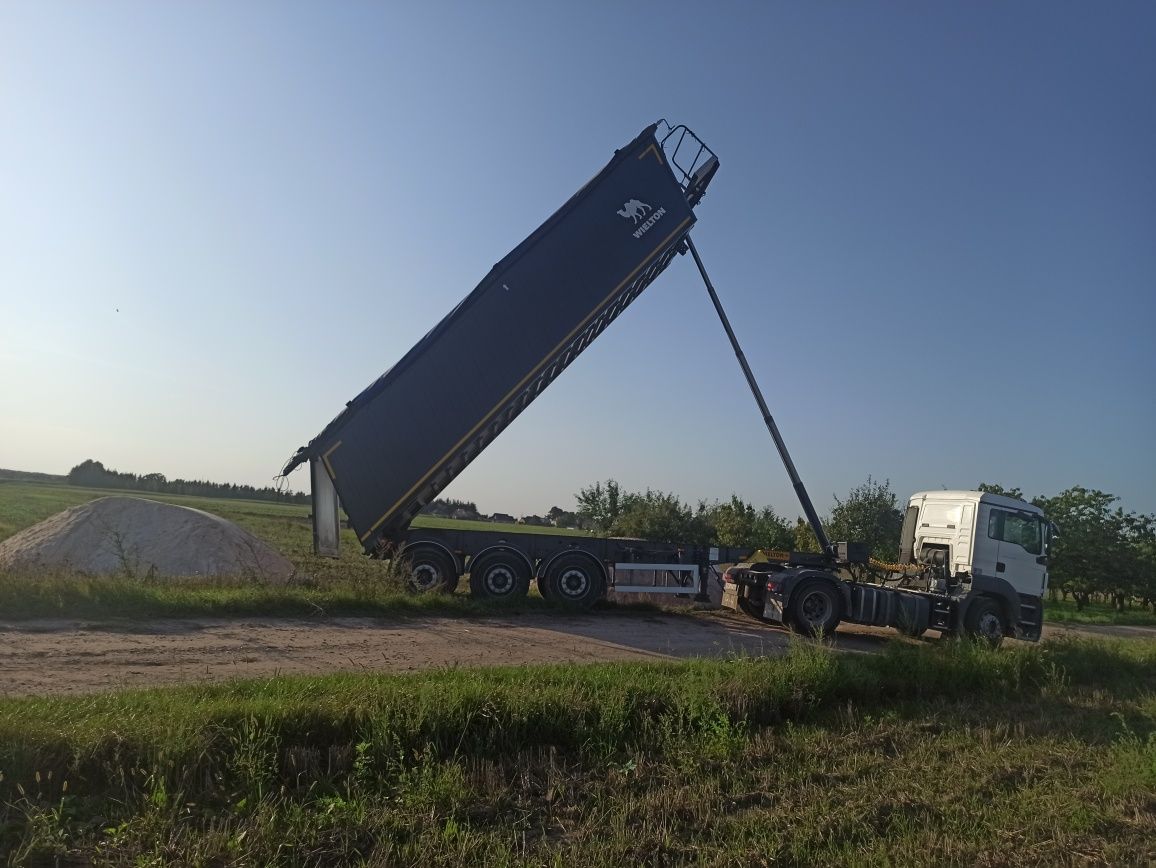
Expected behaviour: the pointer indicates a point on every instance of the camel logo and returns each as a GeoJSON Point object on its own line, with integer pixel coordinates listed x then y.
{"type": "Point", "coordinates": [634, 210]}
{"type": "Point", "coordinates": [637, 211]}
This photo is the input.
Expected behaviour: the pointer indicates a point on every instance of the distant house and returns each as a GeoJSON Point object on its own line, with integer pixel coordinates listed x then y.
{"type": "Point", "coordinates": [502, 518]}
{"type": "Point", "coordinates": [535, 520]}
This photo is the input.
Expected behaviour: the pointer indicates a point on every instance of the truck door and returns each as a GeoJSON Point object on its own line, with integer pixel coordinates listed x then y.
{"type": "Point", "coordinates": [1020, 559]}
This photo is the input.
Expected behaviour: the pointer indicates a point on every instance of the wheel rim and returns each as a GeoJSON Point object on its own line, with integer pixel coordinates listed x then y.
{"type": "Point", "coordinates": [573, 582]}
{"type": "Point", "coordinates": [425, 576]}
{"type": "Point", "coordinates": [816, 609]}
{"type": "Point", "coordinates": [499, 580]}
{"type": "Point", "coordinates": [990, 627]}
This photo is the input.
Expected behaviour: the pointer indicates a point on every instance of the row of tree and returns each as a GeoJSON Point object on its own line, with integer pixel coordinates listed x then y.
{"type": "Point", "coordinates": [1100, 552]}
{"type": "Point", "coordinates": [869, 513]}
{"type": "Point", "coordinates": [468, 510]}
{"type": "Point", "coordinates": [659, 515]}
{"type": "Point", "coordinates": [93, 474]}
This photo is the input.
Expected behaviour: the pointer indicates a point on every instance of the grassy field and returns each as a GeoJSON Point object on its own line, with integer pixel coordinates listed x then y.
{"type": "Point", "coordinates": [953, 754]}
{"type": "Point", "coordinates": [1065, 612]}
{"type": "Point", "coordinates": [286, 526]}
{"type": "Point", "coordinates": [353, 585]}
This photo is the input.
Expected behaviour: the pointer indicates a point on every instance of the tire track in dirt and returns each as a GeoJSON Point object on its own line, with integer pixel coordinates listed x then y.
{"type": "Point", "coordinates": [69, 657]}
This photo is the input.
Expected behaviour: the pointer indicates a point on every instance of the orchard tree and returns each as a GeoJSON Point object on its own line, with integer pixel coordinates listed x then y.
{"type": "Point", "coordinates": [657, 515]}
{"type": "Point", "coordinates": [739, 524]}
{"type": "Point", "coordinates": [993, 488]}
{"type": "Point", "coordinates": [1091, 553]}
{"type": "Point", "coordinates": [600, 504]}
{"type": "Point", "coordinates": [1146, 561]}
{"type": "Point", "coordinates": [869, 514]}
{"type": "Point", "coordinates": [804, 536]}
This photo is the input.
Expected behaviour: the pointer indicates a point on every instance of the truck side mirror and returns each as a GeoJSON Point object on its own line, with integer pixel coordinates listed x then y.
{"type": "Point", "coordinates": [1042, 559]}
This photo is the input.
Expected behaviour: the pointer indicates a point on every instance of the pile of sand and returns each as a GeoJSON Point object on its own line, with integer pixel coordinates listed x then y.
{"type": "Point", "coordinates": [137, 537]}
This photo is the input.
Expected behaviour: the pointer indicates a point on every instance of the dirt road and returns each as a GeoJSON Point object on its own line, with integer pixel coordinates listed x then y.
{"type": "Point", "coordinates": [51, 657]}
{"type": "Point", "coordinates": [41, 657]}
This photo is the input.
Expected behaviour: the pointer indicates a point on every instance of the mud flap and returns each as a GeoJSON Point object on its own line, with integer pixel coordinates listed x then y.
{"type": "Point", "coordinates": [773, 609]}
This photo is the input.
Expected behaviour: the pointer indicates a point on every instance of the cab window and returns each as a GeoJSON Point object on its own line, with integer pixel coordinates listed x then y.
{"type": "Point", "coordinates": [1012, 527]}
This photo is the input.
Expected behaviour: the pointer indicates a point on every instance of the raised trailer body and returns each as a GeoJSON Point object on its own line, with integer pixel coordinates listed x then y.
{"type": "Point", "coordinates": [405, 437]}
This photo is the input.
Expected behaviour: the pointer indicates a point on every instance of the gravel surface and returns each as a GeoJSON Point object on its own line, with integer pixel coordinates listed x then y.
{"type": "Point", "coordinates": [68, 657]}
{"type": "Point", "coordinates": [139, 537]}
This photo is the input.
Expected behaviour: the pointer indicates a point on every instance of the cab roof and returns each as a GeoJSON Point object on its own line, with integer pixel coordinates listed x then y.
{"type": "Point", "coordinates": [961, 496]}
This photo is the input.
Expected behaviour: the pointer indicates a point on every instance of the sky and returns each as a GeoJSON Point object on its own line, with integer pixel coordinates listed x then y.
{"type": "Point", "coordinates": [934, 229]}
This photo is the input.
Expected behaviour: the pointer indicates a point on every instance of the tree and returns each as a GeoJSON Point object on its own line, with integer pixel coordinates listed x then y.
{"type": "Point", "coordinates": [600, 505]}
{"type": "Point", "coordinates": [993, 488]}
{"type": "Point", "coordinates": [1137, 576]}
{"type": "Point", "coordinates": [739, 524]}
{"type": "Point", "coordinates": [657, 515]}
{"type": "Point", "coordinates": [94, 474]}
{"type": "Point", "coordinates": [157, 482]}
{"type": "Point", "coordinates": [805, 539]}
{"type": "Point", "coordinates": [1092, 553]}
{"type": "Point", "coordinates": [87, 472]}
{"type": "Point", "coordinates": [451, 508]}
{"type": "Point", "coordinates": [1146, 562]}
{"type": "Point", "coordinates": [565, 519]}
{"type": "Point", "coordinates": [870, 515]}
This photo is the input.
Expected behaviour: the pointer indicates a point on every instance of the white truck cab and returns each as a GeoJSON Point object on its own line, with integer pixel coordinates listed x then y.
{"type": "Point", "coordinates": [978, 536]}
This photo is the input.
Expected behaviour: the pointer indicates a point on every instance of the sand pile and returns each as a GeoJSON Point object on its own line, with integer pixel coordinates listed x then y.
{"type": "Point", "coordinates": [138, 537]}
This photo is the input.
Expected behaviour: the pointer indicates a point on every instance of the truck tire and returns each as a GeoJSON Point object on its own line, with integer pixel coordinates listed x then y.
{"type": "Point", "coordinates": [574, 581]}
{"type": "Point", "coordinates": [544, 591]}
{"type": "Point", "coordinates": [816, 608]}
{"type": "Point", "coordinates": [431, 570]}
{"type": "Point", "coordinates": [985, 621]}
{"type": "Point", "coordinates": [499, 576]}
{"type": "Point", "coordinates": [750, 608]}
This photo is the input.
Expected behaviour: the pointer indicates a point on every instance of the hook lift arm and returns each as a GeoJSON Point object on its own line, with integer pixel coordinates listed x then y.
{"type": "Point", "coordinates": [796, 481]}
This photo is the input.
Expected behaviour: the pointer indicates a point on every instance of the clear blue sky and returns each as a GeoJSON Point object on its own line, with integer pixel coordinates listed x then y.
{"type": "Point", "coordinates": [934, 229]}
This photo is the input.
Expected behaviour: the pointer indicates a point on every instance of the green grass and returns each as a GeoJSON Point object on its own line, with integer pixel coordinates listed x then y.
{"type": "Point", "coordinates": [1065, 612]}
{"type": "Point", "coordinates": [23, 504]}
{"type": "Point", "coordinates": [1038, 754]}
{"type": "Point", "coordinates": [352, 585]}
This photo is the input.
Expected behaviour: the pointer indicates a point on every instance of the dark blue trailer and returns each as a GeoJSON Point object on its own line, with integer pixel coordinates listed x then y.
{"type": "Point", "coordinates": [403, 439]}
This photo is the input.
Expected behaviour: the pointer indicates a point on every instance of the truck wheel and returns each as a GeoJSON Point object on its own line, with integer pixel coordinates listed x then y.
{"type": "Point", "coordinates": [816, 608]}
{"type": "Point", "coordinates": [750, 608]}
{"type": "Point", "coordinates": [574, 581]}
{"type": "Point", "coordinates": [985, 621]}
{"type": "Point", "coordinates": [499, 576]}
{"type": "Point", "coordinates": [430, 570]}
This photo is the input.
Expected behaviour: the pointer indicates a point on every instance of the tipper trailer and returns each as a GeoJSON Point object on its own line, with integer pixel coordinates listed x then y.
{"type": "Point", "coordinates": [403, 439]}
